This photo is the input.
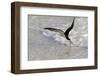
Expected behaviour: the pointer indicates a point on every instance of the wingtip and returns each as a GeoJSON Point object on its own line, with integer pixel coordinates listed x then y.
{"type": "Point", "coordinates": [74, 19]}
{"type": "Point", "coordinates": [44, 28]}
{"type": "Point", "coordinates": [47, 28]}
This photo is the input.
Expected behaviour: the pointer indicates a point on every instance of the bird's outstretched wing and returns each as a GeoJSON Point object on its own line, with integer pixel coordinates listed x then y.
{"type": "Point", "coordinates": [69, 29]}
{"type": "Point", "coordinates": [61, 32]}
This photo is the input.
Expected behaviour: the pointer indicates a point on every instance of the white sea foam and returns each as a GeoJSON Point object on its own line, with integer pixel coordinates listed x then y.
{"type": "Point", "coordinates": [56, 36]}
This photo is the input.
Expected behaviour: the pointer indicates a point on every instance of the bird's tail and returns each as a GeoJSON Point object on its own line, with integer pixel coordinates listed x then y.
{"type": "Point", "coordinates": [71, 42]}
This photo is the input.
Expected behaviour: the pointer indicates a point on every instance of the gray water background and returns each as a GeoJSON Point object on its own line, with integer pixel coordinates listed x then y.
{"type": "Point", "coordinates": [41, 47]}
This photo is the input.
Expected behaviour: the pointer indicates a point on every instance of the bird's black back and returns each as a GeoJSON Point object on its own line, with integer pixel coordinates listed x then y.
{"type": "Point", "coordinates": [66, 33]}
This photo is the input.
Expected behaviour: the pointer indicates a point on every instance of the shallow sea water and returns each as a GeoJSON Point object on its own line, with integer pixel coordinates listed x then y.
{"type": "Point", "coordinates": [41, 47]}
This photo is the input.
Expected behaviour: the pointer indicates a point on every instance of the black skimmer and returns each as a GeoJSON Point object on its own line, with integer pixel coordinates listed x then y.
{"type": "Point", "coordinates": [60, 35]}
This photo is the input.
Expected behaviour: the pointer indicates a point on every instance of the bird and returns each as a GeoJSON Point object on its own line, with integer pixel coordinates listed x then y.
{"type": "Point", "coordinates": [61, 35]}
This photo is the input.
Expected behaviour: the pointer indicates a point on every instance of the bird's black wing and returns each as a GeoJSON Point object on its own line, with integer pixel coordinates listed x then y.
{"type": "Point", "coordinates": [69, 29]}
{"type": "Point", "coordinates": [56, 30]}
